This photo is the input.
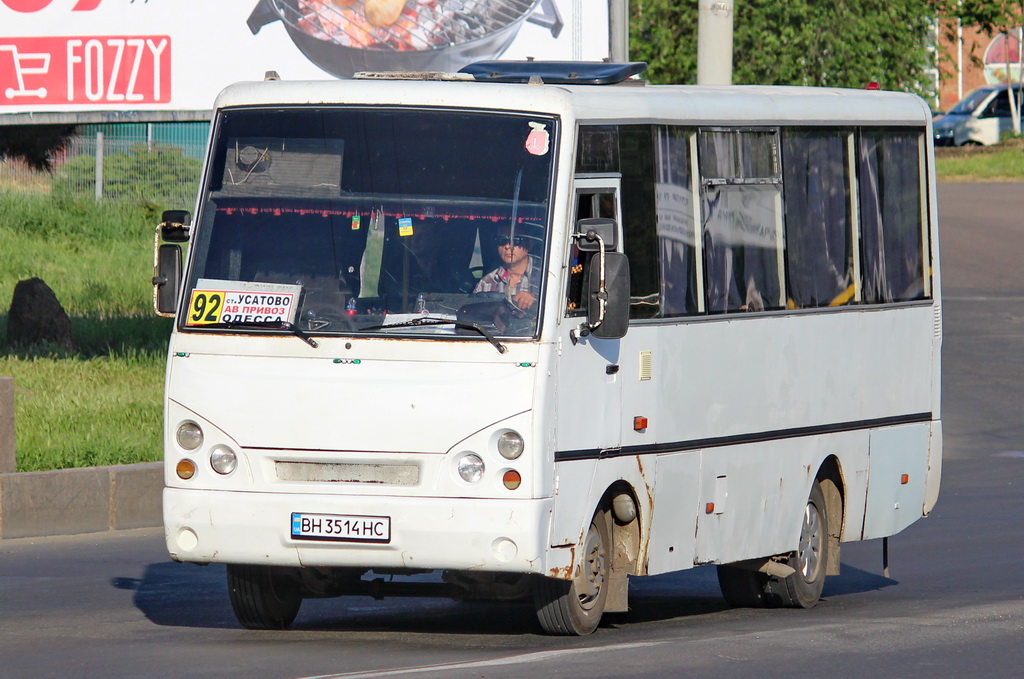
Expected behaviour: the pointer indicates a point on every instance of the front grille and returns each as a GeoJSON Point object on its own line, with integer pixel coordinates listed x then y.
{"type": "Point", "coordinates": [348, 472]}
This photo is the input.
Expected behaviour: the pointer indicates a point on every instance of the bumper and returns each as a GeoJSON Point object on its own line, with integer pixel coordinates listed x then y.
{"type": "Point", "coordinates": [204, 526]}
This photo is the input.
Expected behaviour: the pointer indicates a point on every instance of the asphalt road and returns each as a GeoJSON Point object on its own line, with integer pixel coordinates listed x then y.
{"type": "Point", "coordinates": [113, 606]}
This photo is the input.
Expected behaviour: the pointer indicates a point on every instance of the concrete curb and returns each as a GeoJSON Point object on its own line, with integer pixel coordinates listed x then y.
{"type": "Point", "coordinates": [87, 500]}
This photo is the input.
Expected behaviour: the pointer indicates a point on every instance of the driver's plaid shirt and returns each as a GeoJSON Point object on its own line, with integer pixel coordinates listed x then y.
{"type": "Point", "coordinates": [497, 281]}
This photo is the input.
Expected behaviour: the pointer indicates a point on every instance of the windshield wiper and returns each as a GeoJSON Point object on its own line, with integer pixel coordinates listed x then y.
{"type": "Point", "coordinates": [468, 325]}
{"type": "Point", "coordinates": [272, 325]}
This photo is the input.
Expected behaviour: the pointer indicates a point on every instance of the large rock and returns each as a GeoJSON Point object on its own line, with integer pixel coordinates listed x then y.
{"type": "Point", "coordinates": [36, 317]}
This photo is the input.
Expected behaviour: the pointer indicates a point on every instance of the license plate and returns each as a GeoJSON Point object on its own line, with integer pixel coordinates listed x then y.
{"type": "Point", "coordinates": [341, 528]}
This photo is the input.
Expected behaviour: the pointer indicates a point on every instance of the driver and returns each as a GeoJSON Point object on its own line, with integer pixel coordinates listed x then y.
{"type": "Point", "coordinates": [517, 277]}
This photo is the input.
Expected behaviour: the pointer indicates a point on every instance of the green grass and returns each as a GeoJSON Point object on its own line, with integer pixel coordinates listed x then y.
{"type": "Point", "coordinates": [97, 257]}
{"type": "Point", "coordinates": [101, 403]}
{"type": "Point", "coordinates": [77, 411]}
{"type": "Point", "coordinates": [1000, 163]}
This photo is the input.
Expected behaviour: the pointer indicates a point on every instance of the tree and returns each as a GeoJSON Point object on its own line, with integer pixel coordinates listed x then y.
{"type": "Point", "coordinates": [847, 43]}
{"type": "Point", "coordinates": [35, 144]}
{"type": "Point", "coordinates": [991, 17]}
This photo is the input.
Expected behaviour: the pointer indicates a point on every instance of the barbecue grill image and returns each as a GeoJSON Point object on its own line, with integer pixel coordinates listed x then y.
{"type": "Point", "coordinates": [344, 37]}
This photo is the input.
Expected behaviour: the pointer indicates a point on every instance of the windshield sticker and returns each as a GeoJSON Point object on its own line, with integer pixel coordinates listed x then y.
{"type": "Point", "coordinates": [537, 140]}
{"type": "Point", "coordinates": [215, 302]}
{"type": "Point", "coordinates": [405, 226]}
{"type": "Point", "coordinates": [355, 222]}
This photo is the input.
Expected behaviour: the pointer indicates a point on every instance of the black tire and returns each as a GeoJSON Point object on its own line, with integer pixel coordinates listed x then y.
{"type": "Point", "coordinates": [264, 597]}
{"type": "Point", "coordinates": [574, 607]}
{"type": "Point", "coordinates": [745, 587]}
{"type": "Point", "coordinates": [803, 588]}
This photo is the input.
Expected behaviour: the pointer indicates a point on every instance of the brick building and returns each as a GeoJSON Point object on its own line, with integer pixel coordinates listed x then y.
{"type": "Point", "coordinates": [999, 56]}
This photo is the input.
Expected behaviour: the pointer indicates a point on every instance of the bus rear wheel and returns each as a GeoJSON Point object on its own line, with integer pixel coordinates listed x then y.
{"type": "Point", "coordinates": [264, 597]}
{"type": "Point", "coordinates": [802, 589]}
{"type": "Point", "coordinates": [745, 587]}
{"type": "Point", "coordinates": [574, 607]}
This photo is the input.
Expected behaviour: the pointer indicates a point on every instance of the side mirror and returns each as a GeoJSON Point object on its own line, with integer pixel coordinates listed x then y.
{"type": "Point", "coordinates": [608, 309]}
{"type": "Point", "coordinates": [591, 233]}
{"type": "Point", "coordinates": [174, 228]}
{"type": "Point", "coordinates": [167, 279]}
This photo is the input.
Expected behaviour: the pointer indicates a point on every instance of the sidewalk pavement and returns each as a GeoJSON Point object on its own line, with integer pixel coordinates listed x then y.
{"type": "Point", "coordinates": [87, 500]}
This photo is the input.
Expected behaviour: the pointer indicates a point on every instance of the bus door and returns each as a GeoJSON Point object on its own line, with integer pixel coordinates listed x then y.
{"type": "Point", "coordinates": [589, 385]}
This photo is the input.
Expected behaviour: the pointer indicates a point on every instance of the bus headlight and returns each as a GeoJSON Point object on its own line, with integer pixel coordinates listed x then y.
{"type": "Point", "coordinates": [223, 460]}
{"type": "Point", "coordinates": [471, 468]}
{"type": "Point", "coordinates": [510, 445]}
{"type": "Point", "coordinates": [189, 436]}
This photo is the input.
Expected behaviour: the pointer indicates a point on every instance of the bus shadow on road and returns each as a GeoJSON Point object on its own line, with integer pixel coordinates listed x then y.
{"type": "Point", "coordinates": [852, 580]}
{"type": "Point", "coordinates": [186, 595]}
{"type": "Point", "coordinates": [181, 595]}
{"type": "Point", "coordinates": [696, 592]}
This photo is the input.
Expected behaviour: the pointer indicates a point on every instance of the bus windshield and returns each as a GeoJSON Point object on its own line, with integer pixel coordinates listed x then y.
{"type": "Point", "coordinates": [358, 220]}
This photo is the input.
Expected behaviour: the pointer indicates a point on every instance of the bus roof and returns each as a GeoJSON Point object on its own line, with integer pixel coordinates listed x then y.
{"type": "Point", "coordinates": [630, 102]}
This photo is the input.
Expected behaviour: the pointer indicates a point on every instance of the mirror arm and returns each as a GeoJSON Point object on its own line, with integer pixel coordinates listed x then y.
{"type": "Point", "coordinates": [602, 292]}
{"type": "Point", "coordinates": [157, 278]}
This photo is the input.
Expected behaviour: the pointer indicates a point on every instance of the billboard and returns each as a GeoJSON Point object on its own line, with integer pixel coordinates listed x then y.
{"type": "Point", "coordinates": [80, 56]}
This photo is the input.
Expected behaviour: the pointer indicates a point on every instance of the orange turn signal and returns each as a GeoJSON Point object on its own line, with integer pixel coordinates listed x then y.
{"type": "Point", "coordinates": [185, 469]}
{"type": "Point", "coordinates": [511, 479]}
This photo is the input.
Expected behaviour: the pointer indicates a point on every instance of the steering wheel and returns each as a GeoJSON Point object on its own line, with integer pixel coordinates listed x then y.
{"type": "Point", "coordinates": [495, 296]}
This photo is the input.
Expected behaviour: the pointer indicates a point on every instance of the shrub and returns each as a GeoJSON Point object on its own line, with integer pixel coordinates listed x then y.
{"type": "Point", "coordinates": [157, 174]}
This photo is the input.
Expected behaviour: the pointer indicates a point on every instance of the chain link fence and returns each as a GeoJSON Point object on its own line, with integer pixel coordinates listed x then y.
{"type": "Point", "coordinates": [156, 165]}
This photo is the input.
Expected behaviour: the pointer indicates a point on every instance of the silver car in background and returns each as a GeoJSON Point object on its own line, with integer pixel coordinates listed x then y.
{"type": "Point", "coordinates": [981, 118]}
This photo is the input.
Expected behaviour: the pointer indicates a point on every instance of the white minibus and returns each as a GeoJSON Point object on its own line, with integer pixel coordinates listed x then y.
{"type": "Point", "coordinates": [538, 328]}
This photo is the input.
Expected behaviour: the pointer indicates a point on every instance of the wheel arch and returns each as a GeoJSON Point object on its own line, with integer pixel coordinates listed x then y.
{"type": "Point", "coordinates": [833, 487]}
{"type": "Point", "coordinates": [628, 543]}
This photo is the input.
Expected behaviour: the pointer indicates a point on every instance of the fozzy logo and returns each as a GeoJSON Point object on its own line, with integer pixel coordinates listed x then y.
{"type": "Point", "coordinates": [28, 6]}
{"type": "Point", "coordinates": [98, 69]}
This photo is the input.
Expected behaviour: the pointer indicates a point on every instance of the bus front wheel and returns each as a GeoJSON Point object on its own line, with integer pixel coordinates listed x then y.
{"type": "Point", "coordinates": [574, 607]}
{"type": "Point", "coordinates": [264, 597]}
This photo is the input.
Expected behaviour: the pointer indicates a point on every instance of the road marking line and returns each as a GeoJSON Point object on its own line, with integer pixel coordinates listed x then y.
{"type": "Point", "coordinates": [538, 656]}
{"type": "Point", "coordinates": [982, 298]}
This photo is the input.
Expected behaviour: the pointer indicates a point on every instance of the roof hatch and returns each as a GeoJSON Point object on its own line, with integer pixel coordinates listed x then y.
{"type": "Point", "coordinates": [556, 72]}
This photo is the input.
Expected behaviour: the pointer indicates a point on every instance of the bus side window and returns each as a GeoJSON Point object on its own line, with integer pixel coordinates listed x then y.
{"type": "Point", "coordinates": [595, 204]}
{"type": "Point", "coordinates": [742, 220]}
{"type": "Point", "coordinates": [671, 252]}
{"type": "Point", "coordinates": [819, 234]}
{"type": "Point", "coordinates": [893, 236]}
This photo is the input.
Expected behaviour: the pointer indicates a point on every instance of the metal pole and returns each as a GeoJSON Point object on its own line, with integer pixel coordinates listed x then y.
{"type": "Point", "coordinates": [959, 60]}
{"type": "Point", "coordinates": [714, 42]}
{"type": "Point", "coordinates": [99, 165]}
{"type": "Point", "coordinates": [618, 30]}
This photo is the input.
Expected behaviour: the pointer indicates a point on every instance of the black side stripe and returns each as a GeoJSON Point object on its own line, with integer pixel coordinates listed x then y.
{"type": "Point", "coordinates": [736, 439]}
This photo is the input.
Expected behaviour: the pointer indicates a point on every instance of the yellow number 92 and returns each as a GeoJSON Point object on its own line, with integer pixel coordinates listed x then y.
{"type": "Point", "coordinates": [205, 307]}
